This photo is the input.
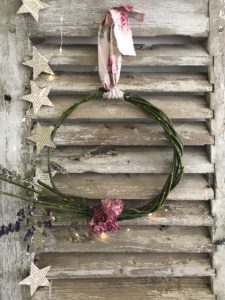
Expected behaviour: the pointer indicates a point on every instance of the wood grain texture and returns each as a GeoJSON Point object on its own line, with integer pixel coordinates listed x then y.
{"type": "Point", "coordinates": [162, 17]}
{"type": "Point", "coordinates": [138, 239]}
{"type": "Point", "coordinates": [134, 289]}
{"type": "Point", "coordinates": [157, 55]}
{"type": "Point", "coordinates": [176, 107]}
{"type": "Point", "coordinates": [120, 265]}
{"type": "Point", "coordinates": [129, 160]}
{"type": "Point", "coordinates": [217, 101]}
{"type": "Point", "coordinates": [129, 134]}
{"type": "Point", "coordinates": [96, 186]}
{"type": "Point", "coordinates": [14, 262]}
{"type": "Point", "coordinates": [130, 82]}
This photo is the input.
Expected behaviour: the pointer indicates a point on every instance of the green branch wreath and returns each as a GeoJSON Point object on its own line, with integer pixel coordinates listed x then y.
{"type": "Point", "coordinates": [51, 198]}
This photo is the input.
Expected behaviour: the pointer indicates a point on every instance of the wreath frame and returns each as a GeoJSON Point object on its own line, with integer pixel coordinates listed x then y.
{"type": "Point", "coordinates": [176, 172]}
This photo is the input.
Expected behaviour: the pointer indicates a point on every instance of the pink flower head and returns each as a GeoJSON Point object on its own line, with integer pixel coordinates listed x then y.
{"type": "Point", "coordinates": [112, 206]}
{"type": "Point", "coordinates": [104, 216]}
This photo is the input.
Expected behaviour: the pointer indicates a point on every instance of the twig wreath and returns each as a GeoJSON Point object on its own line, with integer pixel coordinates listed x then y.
{"type": "Point", "coordinates": [114, 39]}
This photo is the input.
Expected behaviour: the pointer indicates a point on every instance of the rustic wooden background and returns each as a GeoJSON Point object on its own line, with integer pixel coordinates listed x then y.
{"type": "Point", "coordinates": [111, 148]}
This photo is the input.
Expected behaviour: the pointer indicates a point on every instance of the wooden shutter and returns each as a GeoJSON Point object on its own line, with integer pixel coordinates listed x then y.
{"type": "Point", "coordinates": [110, 148]}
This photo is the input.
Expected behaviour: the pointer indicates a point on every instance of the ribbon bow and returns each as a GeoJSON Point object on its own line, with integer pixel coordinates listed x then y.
{"type": "Point", "coordinates": [115, 40]}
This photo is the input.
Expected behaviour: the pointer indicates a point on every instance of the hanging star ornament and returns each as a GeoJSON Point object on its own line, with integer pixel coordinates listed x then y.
{"type": "Point", "coordinates": [42, 137]}
{"type": "Point", "coordinates": [36, 278]}
{"type": "Point", "coordinates": [38, 97]}
{"type": "Point", "coordinates": [32, 7]}
{"type": "Point", "coordinates": [39, 64]}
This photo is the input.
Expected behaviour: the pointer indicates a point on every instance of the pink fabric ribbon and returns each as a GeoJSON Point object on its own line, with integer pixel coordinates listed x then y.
{"type": "Point", "coordinates": [115, 40]}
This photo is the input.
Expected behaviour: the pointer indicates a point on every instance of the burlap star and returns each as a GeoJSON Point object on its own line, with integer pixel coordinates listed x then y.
{"type": "Point", "coordinates": [38, 97]}
{"type": "Point", "coordinates": [39, 64]}
{"type": "Point", "coordinates": [36, 278]}
{"type": "Point", "coordinates": [42, 137]}
{"type": "Point", "coordinates": [33, 7]}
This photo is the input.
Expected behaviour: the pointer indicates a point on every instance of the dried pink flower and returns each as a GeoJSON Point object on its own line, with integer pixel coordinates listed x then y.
{"type": "Point", "coordinates": [104, 216]}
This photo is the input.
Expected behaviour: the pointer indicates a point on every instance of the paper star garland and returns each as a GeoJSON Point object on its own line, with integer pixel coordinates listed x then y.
{"type": "Point", "coordinates": [42, 137]}
{"type": "Point", "coordinates": [36, 278]}
{"type": "Point", "coordinates": [33, 7]}
{"type": "Point", "coordinates": [39, 64]}
{"type": "Point", "coordinates": [38, 97]}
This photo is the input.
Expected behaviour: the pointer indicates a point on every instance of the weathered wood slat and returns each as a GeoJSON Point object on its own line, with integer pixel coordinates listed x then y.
{"type": "Point", "coordinates": [177, 17]}
{"type": "Point", "coordinates": [96, 186]}
{"type": "Point", "coordinates": [149, 82]}
{"type": "Point", "coordinates": [106, 265]}
{"type": "Point", "coordinates": [176, 213]}
{"type": "Point", "coordinates": [118, 160]}
{"type": "Point", "coordinates": [134, 289]}
{"type": "Point", "coordinates": [157, 55]}
{"type": "Point", "coordinates": [137, 239]}
{"type": "Point", "coordinates": [176, 107]}
{"type": "Point", "coordinates": [173, 213]}
{"type": "Point", "coordinates": [129, 134]}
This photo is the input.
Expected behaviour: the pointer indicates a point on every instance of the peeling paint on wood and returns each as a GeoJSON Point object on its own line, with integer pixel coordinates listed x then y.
{"type": "Point", "coordinates": [162, 17]}
{"type": "Point", "coordinates": [133, 289]}
{"type": "Point", "coordinates": [142, 186]}
{"type": "Point", "coordinates": [176, 107]}
{"type": "Point", "coordinates": [130, 82]}
{"type": "Point", "coordinates": [217, 50]}
{"type": "Point", "coordinates": [14, 262]}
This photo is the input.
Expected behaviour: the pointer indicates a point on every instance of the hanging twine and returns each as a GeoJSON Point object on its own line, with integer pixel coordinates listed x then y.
{"type": "Point", "coordinates": [115, 40]}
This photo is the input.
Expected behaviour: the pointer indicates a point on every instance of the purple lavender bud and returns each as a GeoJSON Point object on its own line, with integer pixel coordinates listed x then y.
{"type": "Point", "coordinates": [11, 227]}
{"type": "Point", "coordinates": [48, 224]}
{"type": "Point", "coordinates": [17, 226]}
{"type": "Point", "coordinates": [3, 229]}
{"type": "Point", "coordinates": [29, 233]}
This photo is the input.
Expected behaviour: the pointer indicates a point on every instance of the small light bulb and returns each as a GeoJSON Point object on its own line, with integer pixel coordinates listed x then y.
{"type": "Point", "coordinates": [166, 210]}
{"type": "Point", "coordinates": [51, 77]}
{"type": "Point", "coordinates": [76, 234]}
{"type": "Point", "coordinates": [150, 214]}
{"type": "Point", "coordinates": [61, 19]}
{"type": "Point", "coordinates": [60, 49]}
{"type": "Point", "coordinates": [128, 229]}
{"type": "Point", "coordinates": [103, 236]}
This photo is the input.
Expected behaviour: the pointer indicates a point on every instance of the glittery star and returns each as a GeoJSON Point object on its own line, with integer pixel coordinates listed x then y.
{"type": "Point", "coordinates": [42, 137]}
{"type": "Point", "coordinates": [39, 64]}
{"type": "Point", "coordinates": [38, 97]}
{"type": "Point", "coordinates": [36, 278]}
{"type": "Point", "coordinates": [33, 7]}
